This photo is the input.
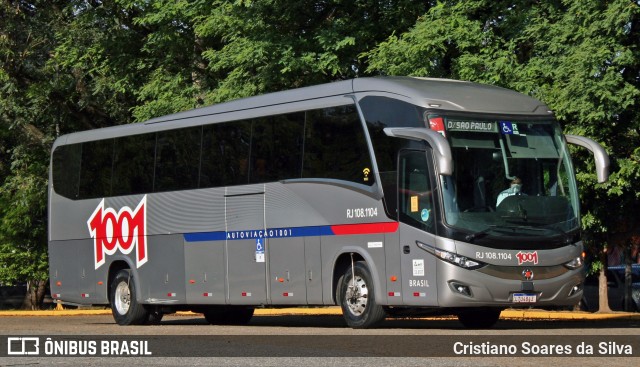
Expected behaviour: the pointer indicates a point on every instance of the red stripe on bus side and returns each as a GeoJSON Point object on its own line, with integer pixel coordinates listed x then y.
{"type": "Point", "coordinates": [366, 228]}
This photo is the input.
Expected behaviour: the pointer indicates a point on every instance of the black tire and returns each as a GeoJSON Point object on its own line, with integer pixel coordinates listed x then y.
{"type": "Point", "coordinates": [125, 308]}
{"type": "Point", "coordinates": [479, 318]}
{"type": "Point", "coordinates": [228, 315]}
{"type": "Point", "coordinates": [155, 317]}
{"type": "Point", "coordinates": [359, 307]}
{"type": "Point", "coordinates": [584, 305]}
{"type": "Point", "coordinates": [635, 298]}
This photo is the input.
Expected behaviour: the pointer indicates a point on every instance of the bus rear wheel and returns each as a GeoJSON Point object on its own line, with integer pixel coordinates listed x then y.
{"type": "Point", "coordinates": [356, 297]}
{"type": "Point", "coordinates": [125, 308]}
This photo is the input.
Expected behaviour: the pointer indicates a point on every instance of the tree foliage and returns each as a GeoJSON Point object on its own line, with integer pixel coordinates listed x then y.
{"type": "Point", "coordinates": [25, 140]}
{"type": "Point", "coordinates": [272, 45]}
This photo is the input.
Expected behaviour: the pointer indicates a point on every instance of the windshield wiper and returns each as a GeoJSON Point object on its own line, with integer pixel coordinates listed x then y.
{"type": "Point", "coordinates": [565, 235]}
{"type": "Point", "coordinates": [485, 232]}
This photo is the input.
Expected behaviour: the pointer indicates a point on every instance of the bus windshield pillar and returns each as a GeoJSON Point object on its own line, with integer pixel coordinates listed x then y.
{"type": "Point", "coordinates": [440, 145]}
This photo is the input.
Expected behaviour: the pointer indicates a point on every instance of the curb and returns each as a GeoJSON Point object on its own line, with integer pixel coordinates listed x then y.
{"type": "Point", "coordinates": [509, 314]}
{"type": "Point", "coordinates": [567, 315]}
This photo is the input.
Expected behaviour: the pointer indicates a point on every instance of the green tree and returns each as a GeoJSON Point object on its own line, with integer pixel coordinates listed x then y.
{"type": "Point", "coordinates": [26, 134]}
{"type": "Point", "coordinates": [130, 60]}
{"type": "Point", "coordinates": [581, 58]}
{"type": "Point", "coordinates": [274, 45]}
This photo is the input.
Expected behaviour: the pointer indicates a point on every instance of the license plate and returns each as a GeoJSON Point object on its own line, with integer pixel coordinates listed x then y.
{"type": "Point", "coordinates": [524, 298]}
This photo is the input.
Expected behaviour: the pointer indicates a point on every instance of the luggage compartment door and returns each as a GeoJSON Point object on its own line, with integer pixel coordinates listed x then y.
{"type": "Point", "coordinates": [246, 247]}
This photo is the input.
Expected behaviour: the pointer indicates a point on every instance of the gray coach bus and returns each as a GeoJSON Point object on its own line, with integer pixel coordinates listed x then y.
{"type": "Point", "coordinates": [386, 196]}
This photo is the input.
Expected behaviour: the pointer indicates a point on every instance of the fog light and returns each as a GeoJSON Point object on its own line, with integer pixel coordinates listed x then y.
{"type": "Point", "coordinates": [575, 289]}
{"type": "Point", "coordinates": [460, 288]}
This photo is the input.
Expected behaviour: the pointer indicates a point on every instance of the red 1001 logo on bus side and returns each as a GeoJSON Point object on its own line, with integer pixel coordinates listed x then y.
{"type": "Point", "coordinates": [124, 231]}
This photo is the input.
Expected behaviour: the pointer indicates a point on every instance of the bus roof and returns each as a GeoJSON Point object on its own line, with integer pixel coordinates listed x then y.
{"type": "Point", "coordinates": [439, 94]}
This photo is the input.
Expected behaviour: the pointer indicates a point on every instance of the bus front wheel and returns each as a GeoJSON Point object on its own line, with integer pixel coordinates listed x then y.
{"type": "Point", "coordinates": [357, 299]}
{"type": "Point", "coordinates": [125, 308]}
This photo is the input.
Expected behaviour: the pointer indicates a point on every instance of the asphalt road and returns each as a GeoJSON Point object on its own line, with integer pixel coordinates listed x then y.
{"type": "Point", "coordinates": [323, 340]}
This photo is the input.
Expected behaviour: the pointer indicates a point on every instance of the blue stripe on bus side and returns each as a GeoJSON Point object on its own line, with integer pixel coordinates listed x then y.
{"type": "Point", "coordinates": [330, 230]}
{"type": "Point", "coordinates": [265, 233]}
{"type": "Point", "coordinates": [204, 236]}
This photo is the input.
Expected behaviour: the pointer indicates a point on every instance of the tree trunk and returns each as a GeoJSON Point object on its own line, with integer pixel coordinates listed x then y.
{"type": "Point", "coordinates": [34, 297]}
{"type": "Point", "coordinates": [628, 301]}
{"type": "Point", "coordinates": [26, 302]}
{"type": "Point", "coordinates": [603, 298]}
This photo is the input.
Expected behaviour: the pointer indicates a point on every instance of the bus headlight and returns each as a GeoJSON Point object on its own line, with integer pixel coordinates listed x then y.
{"type": "Point", "coordinates": [575, 263]}
{"type": "Point", "coordinates": [451, 257]}
{"type": "Point", "coordinates": [455, 259]}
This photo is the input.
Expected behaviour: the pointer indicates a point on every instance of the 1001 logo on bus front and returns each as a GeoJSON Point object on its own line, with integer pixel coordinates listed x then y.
{"type": "Point", "coordinates": [527, 257]}
{"type": "Point", "coordinates": [123, 231]}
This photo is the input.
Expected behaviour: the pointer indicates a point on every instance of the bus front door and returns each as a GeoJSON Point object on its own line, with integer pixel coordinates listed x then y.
{"type": "Point", "coordinates": [417, 224]}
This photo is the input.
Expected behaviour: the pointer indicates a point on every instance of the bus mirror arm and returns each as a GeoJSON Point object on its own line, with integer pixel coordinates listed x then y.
{"type": "Point", "coordinates": [600, 155]}
{"type": "Point", "coordinates": [440, 145]}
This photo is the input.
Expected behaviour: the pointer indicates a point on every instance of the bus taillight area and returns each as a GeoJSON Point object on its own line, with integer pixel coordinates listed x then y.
{"type": "Point", "coordinates": [555, 286]}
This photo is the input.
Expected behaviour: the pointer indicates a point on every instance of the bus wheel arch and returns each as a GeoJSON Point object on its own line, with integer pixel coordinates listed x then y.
{"type": "Point", "coordinates": [340, 265]}
{"type": "Point", "coordinates": [354, 286]}
{"type": "Point", "coordinates": [114, 268]}
{"type": "Point", "coordinates": [356, 296]}
{"type": "Point", "coordinates": [344, 260]}
{"type": "Point", "coordinates": [124, 304]}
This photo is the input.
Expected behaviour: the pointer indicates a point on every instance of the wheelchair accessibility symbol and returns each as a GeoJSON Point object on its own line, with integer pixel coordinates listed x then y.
{"type": "Point", "coordinates": [259, 250]}
{"type": "Point", "coordinates": [508, 128]}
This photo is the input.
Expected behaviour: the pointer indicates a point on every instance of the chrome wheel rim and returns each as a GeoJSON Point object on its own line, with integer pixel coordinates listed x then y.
{"type": "Point", "coordinates": [122, 298]}
{"type": "Point", "coordinates": [357, 296]}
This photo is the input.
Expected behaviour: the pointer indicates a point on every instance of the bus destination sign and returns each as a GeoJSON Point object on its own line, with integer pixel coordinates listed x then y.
{"type": "Point", "coordinates": [479, 126]}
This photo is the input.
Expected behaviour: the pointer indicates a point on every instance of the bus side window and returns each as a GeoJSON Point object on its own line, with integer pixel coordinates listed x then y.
{"type": "Point", "coordinates": [380, 113]}
{"type": "Point", "coordinates": [225, 154]}
{"type": "Point", "coordinates": [177, 159]}
{"type": "Point", "coordinates": [96, 169]}
{"type": "Point", "coordinates": [335, 146]}
{"type": "Point", "coordinates": [66, 170]}
{"type": "Point", "coordinates": [276, 147]}
{"type": "Point", "coordinates": [133, 165]}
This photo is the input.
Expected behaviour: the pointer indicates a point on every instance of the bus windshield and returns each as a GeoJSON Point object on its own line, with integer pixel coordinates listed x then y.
{"type": "Point", "coordinates": [511, 177]}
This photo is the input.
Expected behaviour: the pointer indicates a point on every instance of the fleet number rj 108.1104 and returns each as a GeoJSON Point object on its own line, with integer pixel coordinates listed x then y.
{"type": "Point", "coordinates": [362, 213]}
